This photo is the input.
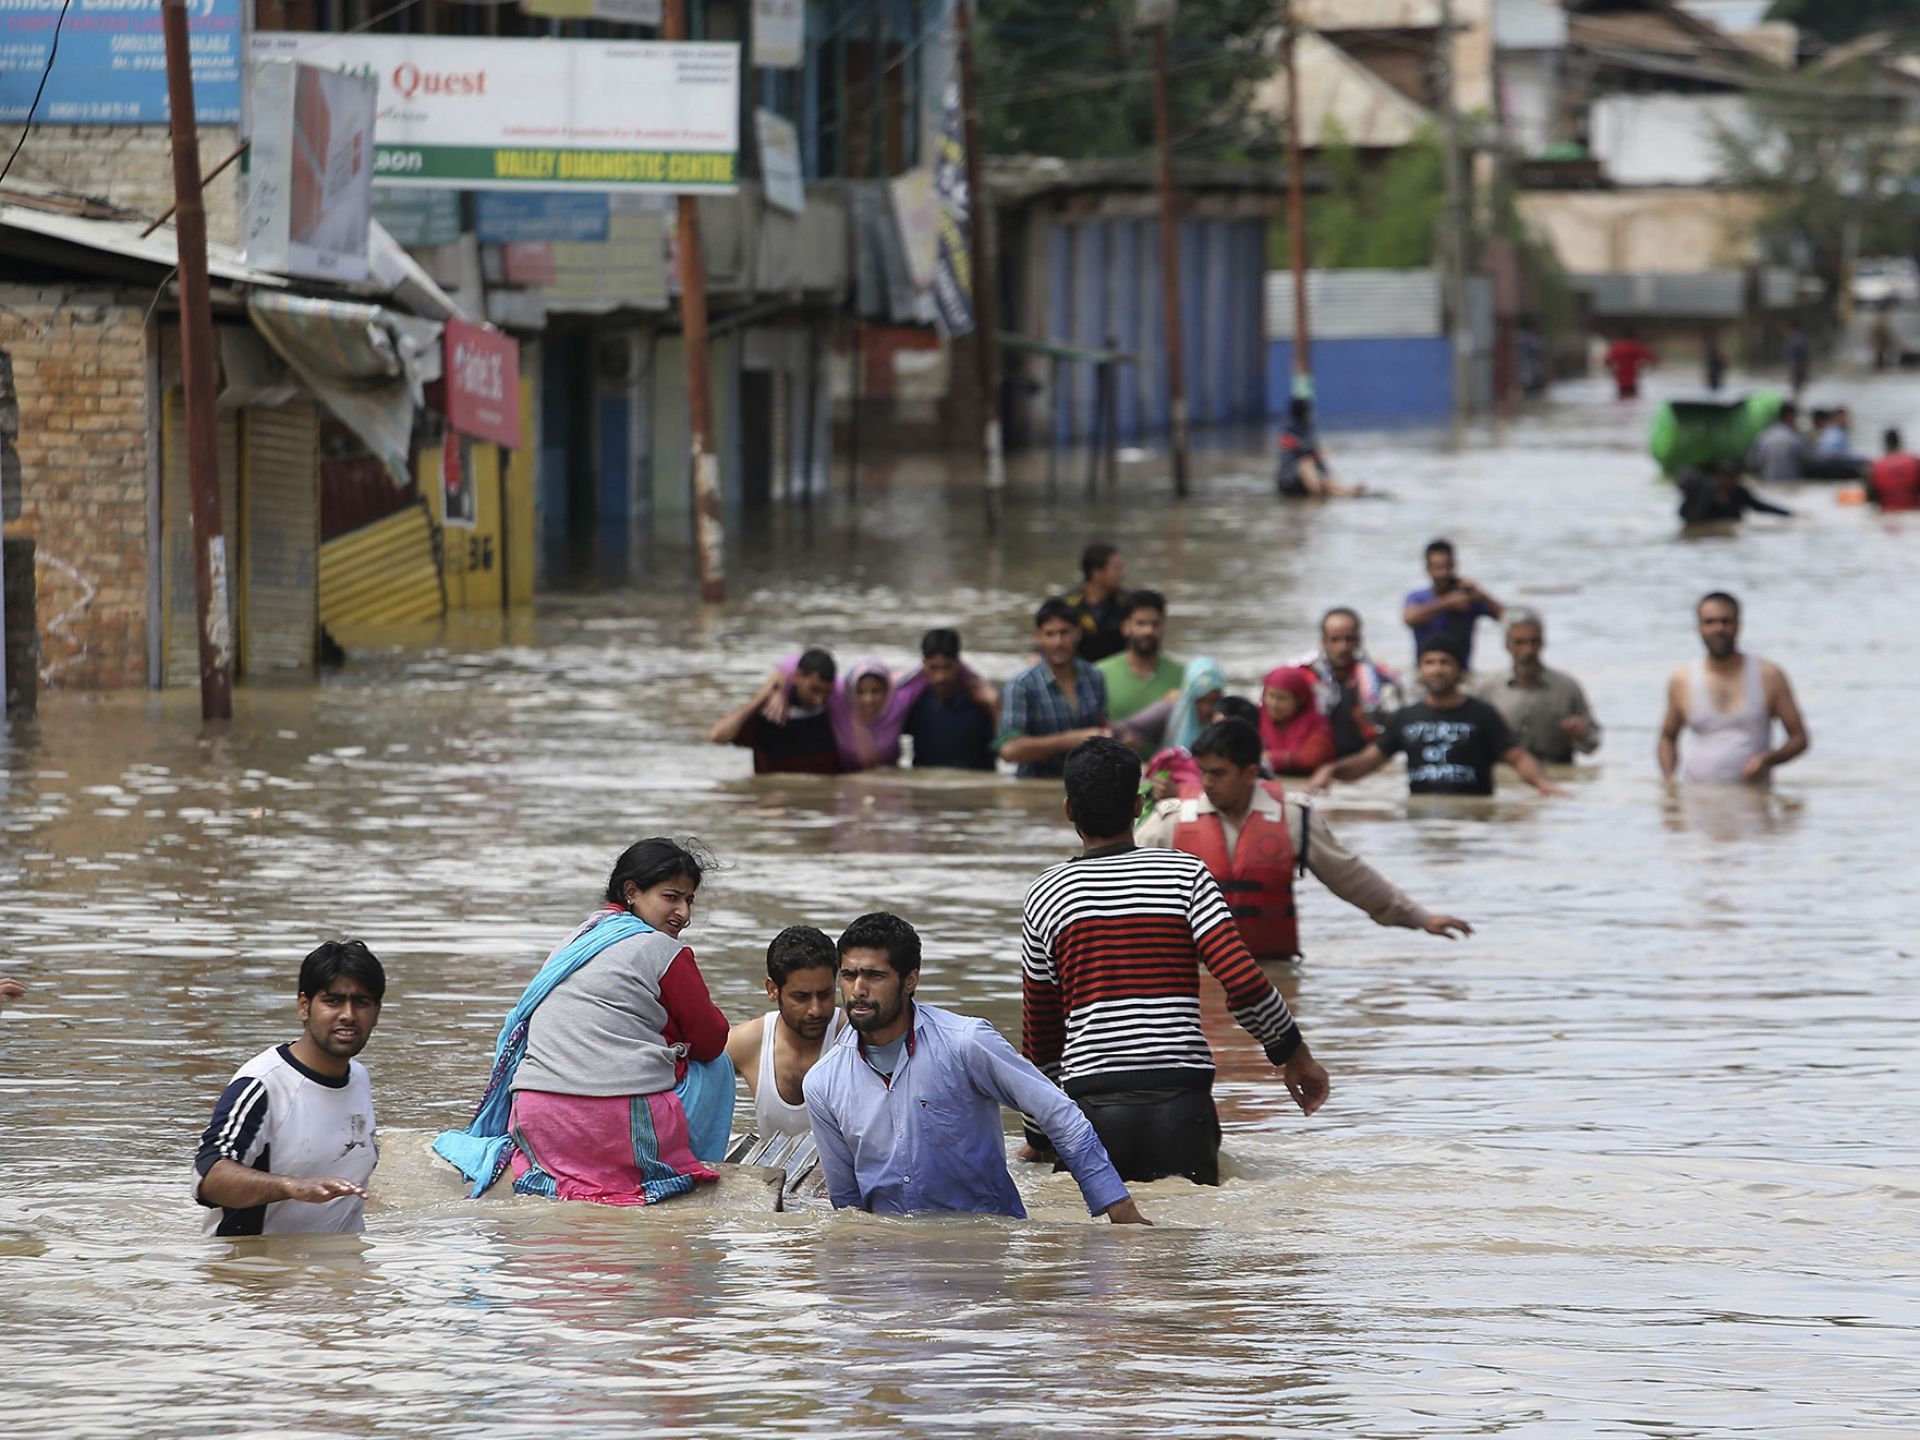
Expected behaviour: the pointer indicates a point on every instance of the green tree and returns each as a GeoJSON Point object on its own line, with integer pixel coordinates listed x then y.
{"type": "Point", "coordinates": [1381, 217]}
{"type": "Point", "coordinates": [1837, 21]}
{"type": "Point", "coordinates": [1072, 78]}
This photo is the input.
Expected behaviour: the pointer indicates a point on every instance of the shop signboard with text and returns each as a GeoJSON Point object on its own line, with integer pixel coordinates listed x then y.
{"type": "Point", "coordinates": [105, 61]}
{"type": "Point", "coordinates": [483, 383]}
{"type": "Point", "coordinates": [481, 114]}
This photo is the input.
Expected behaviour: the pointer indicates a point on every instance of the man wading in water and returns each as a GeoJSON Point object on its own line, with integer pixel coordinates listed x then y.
{"type": "Point", "coordinates": [1112, 946]}
{"type": "Point", "coordinates": [1727, 703]}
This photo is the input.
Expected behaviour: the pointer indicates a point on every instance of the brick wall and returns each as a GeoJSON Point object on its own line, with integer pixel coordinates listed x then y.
{"type": "Point", "coordinates": [80, 365]}
{"type": "Point", "coordinates": [132, 166]}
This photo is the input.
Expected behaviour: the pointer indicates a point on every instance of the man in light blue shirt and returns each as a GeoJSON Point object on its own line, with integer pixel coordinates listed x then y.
{"type": "Point", "coordinates": [906, 1106]}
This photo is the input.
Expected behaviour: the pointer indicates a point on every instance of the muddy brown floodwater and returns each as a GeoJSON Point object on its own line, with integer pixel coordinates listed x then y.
{"type": "Point", "coordinates": [1637, 1159]}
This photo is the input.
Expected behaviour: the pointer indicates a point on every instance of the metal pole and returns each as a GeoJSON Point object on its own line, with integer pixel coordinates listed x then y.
{"type": "Point", "coordinates": [986, 289]}
{"type": "Point", "coordinates": [708, 533]}
{"type": "Point", "coordinates": [1170, 265]}
{"type": "Point", "coordinates": [198, 369]}
{"type": "Point", "coordinates": [1455, 242]}
{"type": "Point", "coordinates": [1297, 223]}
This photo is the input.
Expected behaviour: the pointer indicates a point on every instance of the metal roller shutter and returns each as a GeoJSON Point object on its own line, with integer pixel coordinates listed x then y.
{"type": "Point", "coordinates": [381, 574]}
{"type": "Point", "coordinates": [281, 538]}
{"type": "Point", "coordinates": [180, 661]}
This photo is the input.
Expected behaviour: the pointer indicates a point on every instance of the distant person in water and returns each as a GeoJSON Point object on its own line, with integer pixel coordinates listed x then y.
{"type": "Point", "coordinates": [906, 1108]}
{"type": "Point", "coordinates": [1355, 692]}
{"type": "Point", "coordinates": [1721, 709]}
{"type": "Point", "coordinates": [1626, 357]}
{"type": "Point", "coordinates": [786, 724]}
{"type": "Point", "coordinates": [610, 1079]}
{"type": "Point", "coordinates": [1452, 741]}
{"type": "Point", "coordinates": [772, 1053]}
{"type": "Point", "coordinates": [1255, 839]}
{"type": "Point", "coordinates": [1448, 604]}
{"type": "Point", "coordinates": [1053, 704]}
{"type": "Point", "coordinates": [1304, 471]}
{"type": "Point", "coordinates": [1142, 674]}
{"type": "Point", "coordinates": [1713, 359]}
{"type": "Point", "coordinates": [1546, 710]}
{"type": "Point", "coordinates": [952, 722]}
{"type": "Point", "coordinates": [292, 1143]}
{"type": "Point", "coordinates": [1100, 603]}
{"type": "Point", "coordinates": [1713, 494]}
{"type": "Point", "coordinates": [1297, 738]}
{"type": "Point", "coordinates": [1893, 481]}
{"type": "Point", "coordinates": [1799, 355]}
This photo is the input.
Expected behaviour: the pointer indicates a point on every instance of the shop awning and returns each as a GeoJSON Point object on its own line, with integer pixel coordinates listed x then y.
{"type": "Point", "coordinates": [369, 365]}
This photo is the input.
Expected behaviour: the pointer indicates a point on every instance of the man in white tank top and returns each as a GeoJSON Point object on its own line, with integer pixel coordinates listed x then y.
{"type": "Point", "coordinates": [1726, 704]}
{"type": "Point", "coordinates": [773, 1052]}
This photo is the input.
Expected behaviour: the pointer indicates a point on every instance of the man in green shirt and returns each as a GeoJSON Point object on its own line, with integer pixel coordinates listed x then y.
{"type": "Point", "coordinates": [1140, 675]}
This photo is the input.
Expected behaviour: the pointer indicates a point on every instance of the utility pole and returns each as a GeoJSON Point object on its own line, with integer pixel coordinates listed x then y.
{"type": "Point", "coordinates": [986, 289]}
{"type": "Point", "coordinates": [1454, 243]}
{"type": "Point", "coordinates": [197, 373]}
{"type": "Point", "coordinates": [1170, 265]}
{"type": "Point", "coordinates": [709, 536]}
{"type": "Point", "coordinates": [1296, 222]}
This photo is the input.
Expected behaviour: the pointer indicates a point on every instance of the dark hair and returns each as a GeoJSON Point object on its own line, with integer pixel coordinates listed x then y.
{"type": "Point", "coordinates": [798, 947]}
{"type": "Point", "coordinates": [1236, 707]}
{"type": "Point", "coordinates": [1103, 786]}
{"type": "Point", "coordinates": [1721, 596]}
{"type": "Point", "coordinates": [1300, 410]}
{"type": "Point", "coordinates": [1891, 440]}
{"type": "Point", "coordinates": [1821, 415]}
{"type": "Point", "coordinates": [1232, 740]}
{"type": "Point", "coordinates": [816, 662]}
{"type": "Point", "coordinates": [1442, 644]}
{"type": "Point", "coordinates": [1095, 557]}
{"type": "Point", "coordinates": [1055, 609]}
{"type": "Point", "coordinates": [1788, 411]}
{"type": "Point", "coordinates": [653, 861]}
{"type": "Point", "coordinates": [1351, 614]}
{"type": "Point", "coordinates": [940, 642]}
{"type": "Point", "coordinates": [335, 958]}
{"type": "Point", "coordinates": [883, 930]}
{"type": "Point", "coordinates": [1144, 600]}
{"type": "Point", "coordinates": [1439, 547]}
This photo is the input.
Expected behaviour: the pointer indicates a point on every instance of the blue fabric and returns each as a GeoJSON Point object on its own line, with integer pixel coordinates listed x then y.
{"type": "Point", "coordinates": [932, 1140]}
{"type": "Point", "coordinates": [482, 1150]}
{"type": "Point", "coordinates": [1455, 623]}
{"type": "Point", "coordinates": [1184, 725]}
{"type": "Point", "coordinates": [1034, 704]}
{"type": "Point", "coordinates": [706, 1094]}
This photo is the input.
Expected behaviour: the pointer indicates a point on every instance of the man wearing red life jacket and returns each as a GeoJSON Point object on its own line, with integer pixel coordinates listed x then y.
{"type": "Point", "coordinates": [1254, 841]}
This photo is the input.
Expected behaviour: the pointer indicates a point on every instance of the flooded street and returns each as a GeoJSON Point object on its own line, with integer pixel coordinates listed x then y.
{"type": "Point", "coordinates": [1641, 1157]}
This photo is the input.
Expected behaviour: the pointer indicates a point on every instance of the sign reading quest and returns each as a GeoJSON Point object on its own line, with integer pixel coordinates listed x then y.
{"type": "Point", "coordinates": [478, 114]}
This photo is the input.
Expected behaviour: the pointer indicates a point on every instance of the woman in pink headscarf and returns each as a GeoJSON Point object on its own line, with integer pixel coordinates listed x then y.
{"type": "Point", "coordinates": [1297, 738]}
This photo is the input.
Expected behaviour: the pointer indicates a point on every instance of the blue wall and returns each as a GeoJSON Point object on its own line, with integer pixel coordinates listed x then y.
{"type": "Point", "coordinates": [1369, 381]}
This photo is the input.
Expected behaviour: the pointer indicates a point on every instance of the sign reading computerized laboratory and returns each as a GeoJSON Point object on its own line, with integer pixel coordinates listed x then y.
{"type": "Point", "coordinates": [479, 114]}
{"type": "Point", "coordinates": [105, 62]}
{"type": "Point", "coordinates": [309, 181]}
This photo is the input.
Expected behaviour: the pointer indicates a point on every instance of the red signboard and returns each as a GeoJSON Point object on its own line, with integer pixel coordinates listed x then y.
{"type": "Point", "coordinates": [483, 383]}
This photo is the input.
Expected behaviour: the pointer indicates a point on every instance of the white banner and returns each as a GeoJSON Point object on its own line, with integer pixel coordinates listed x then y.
{"type": "Point", "coordinates": [480, 114]}
{"type": "Point", "coordinates": [309, 176]}
{"type": "Point", "coordinates": [780, 34]}
{"type": "Point", "coordinates": [780, 170]}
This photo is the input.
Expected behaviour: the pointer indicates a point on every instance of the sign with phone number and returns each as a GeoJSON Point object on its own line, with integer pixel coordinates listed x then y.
{"type": "Point", "coordinates": [111, 68]}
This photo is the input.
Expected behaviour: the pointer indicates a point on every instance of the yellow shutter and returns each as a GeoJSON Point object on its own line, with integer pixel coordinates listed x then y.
{"type": "Point", "coordinates": [381, 574]}
{"type": "Point", "coordinates": [281, 538]}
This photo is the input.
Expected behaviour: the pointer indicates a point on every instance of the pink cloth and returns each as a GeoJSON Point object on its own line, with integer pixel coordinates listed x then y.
{"type": "Point", "coordinates": [1177, 763]}
{"type": "Point", "coordinates": [610, 1149]}
{"type": "Point", "coordinates": [1305, 742]}
{"type": "Point", "coordinates": [864, 746]}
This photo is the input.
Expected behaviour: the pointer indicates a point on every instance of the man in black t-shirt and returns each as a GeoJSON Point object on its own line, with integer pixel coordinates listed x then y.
{"type": "Point", "coordinates": [801, 741]}
{"type": "Point", "coordinates": [1451, 739]}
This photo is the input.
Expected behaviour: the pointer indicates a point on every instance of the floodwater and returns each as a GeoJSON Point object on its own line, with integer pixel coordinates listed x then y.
{"type": "Point", "coordinates": [1639, 1158]}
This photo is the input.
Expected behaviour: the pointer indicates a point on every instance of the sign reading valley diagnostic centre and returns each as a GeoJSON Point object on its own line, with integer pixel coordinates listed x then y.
{"type": "Point", "coordinates": [480, 114]}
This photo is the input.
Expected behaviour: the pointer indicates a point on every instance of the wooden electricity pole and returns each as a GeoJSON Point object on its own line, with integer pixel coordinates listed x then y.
{"type": "Point", "coordinates": [197, 373]}
{"type": "Point", "coordinates": [1170, 266]}
{"type": "Point", "coordinates": [1296, 222]}
{"type": "Point", "coordinates": [1455, 240]}
{"type": "Point", "coordinates": [709, 536]}
{"type": "Point", "coordinates": [986, 290]}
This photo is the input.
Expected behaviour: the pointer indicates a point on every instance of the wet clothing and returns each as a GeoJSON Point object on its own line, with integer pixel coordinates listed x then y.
{"type": "Point", "coordinates": [1305, 742]}
{"type": "Point", "coordinates": [1626, 359]}
{"type": "Point", "coordinates": [1533, 713]}
{"type": "Point", "coordinates": [772, 1115]}
{"type": "Point", "coordinates": [1099, 624]}
{"type": "Point", "coordinates": [1779, 453]}
{"type": "Point", "coordinates": [1357, 703]}
{"type": "Point", "coordinates": [276, 1115]}
{"type": "Point", "coordinates": [1894, 482]}
{"type": "Point", "coordinates": [1253, 862]}
{"type": "Point", "coordinates": [1449, 751]}
{"type": "Point", "coordinates": [1298, 442]}
{"type": "Point", "coordinates": [1034, 704]}
{"type": "Point", "coordinates": [1151, 1134]}
{"type": "Point", "coordinates": [954, 732]}
{"type": "Point", "coordinates": [623, 1149]}
{"type": "Point", "coordinates": [930, 1137]}
{"type": "Point", "coordinates": [1455, 623]}
{"type": "Point", "coordinates": [804, 745]}
{"type": "Point", "coordinates": [1128, 694]}
{"type": "Point", "coordinates": [1703, 502]}
{"type": "Point", "coordinates": [1716, 747]}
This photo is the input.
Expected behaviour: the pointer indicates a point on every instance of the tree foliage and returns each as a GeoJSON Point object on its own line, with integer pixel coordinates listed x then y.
{"type": "Point", "coordinates": [1837, 21]}
{"type": "Point", "coordinates": [1384, 216]}
{"type": "Point", "coordinates": [1071, 78]}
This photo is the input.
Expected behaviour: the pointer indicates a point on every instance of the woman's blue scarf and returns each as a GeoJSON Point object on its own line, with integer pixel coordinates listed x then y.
{"type": "Point", "coordinates": [482, 1151]}
{"type": "Point", "coordinates": [1184, 725]}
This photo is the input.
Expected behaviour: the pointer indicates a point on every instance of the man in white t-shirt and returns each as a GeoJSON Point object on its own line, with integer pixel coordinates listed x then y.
{"type": "Point", "coordinates": [772, 1053]}
{"type": "Point", "coordinates": [292, 1143]}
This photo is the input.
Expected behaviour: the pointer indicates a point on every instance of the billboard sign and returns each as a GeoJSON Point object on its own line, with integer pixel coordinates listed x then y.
{"type": "Point", "coordinates": [510, 217]}
{"type": "Point", "coordinates": [309, 172]}
{"type": "Point", "coordinates": [780, 34]}
{"type": "Point", "coordinates": [470, 113]}
{"type": "Point", "coordinates": [786, 187]}
{"type": "Point", "coordinates": [111, 67]}
{"type": "Point", "coordinates": [483, 383]}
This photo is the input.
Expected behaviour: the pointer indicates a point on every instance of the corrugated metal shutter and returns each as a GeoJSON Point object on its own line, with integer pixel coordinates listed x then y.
{"type": "Point", "coordinates": [1358, 304]}
{"type": "Point", "coordinates": [381, 574]}
{"type": "Point", "coordinates": [1706, 293]}
{"type": "Point", "coordinates": [281, 537]}
{"type": "Point", "coordinates": [180, 662]}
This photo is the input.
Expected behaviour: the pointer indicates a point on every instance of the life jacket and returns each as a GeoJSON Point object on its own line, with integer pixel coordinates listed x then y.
{"type": "Point", "coordinates": [1257, 881]}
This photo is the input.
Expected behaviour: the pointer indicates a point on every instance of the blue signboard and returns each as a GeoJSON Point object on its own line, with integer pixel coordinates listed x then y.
{"type": "Point", "coordinates": [111, 67]}
{"type": "Point", "coordinates": [505, 217]}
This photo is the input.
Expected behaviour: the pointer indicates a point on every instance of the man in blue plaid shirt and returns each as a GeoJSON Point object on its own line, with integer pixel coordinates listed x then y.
{"type": "Point", "coordinates": [1053, 704]}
